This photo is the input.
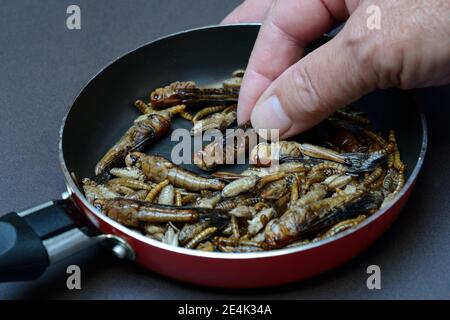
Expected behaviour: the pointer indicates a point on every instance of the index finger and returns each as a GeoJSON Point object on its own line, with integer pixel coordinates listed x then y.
{"type": "Point", "coordinates": [289, 27]}
{"type": "Point", "coordinates": [248, 11]}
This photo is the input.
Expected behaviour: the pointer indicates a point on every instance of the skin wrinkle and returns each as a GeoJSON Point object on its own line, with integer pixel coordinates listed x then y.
{"type": "Point", "coordinates": [288, 37]}
{"type": "Point", "coordinates": [360, 56]}
{"type": "Point", "coordinates": [363, 72]}
{"type": "Point", "coordinates": [303, 78]}
{"type": "Point", "coordinates": [398, 73]}
{"type": "Point", "coordinates": [290, 40]}
{"type": "Point", "coordinates": [360, 62]}
{"type": "Point", "coordinates": [308, 85]}
{"type": "Point", "coordinates": [302, 38]}
{"type": "Point", "coordinates": [314, 109]}
{"type": "Point", "coordinates": [336, 17]}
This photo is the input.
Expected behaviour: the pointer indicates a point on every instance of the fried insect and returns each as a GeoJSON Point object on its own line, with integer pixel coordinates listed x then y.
{"type": "Point", "coordinates": [137, 195]}
{"type": "Point", "coordinates": [178, 198]}
{"type": "Point", "coordinates": [313, 178]}
{"type": "Point", "coordinates": [397, 185]}
{"type": "Point", "coordinates": [397, 162]}
{"type": "Point", "coordinates": [230, 108]}
{"type": "Point", "coordinates": [270, 178]}
{"type": "Point", "coordinates": [345, 135]}
{"type": "Point", "coordinates": [226, 150]}
{"type": "Point", "coordinates": [156, 190]}
{"type": "Point", "coordinates": [234, 224]}
{"type": "Point", "coordinates": [207, 111]}
{"type": "Point", "coordinates": [317, 192]}
{"type": "Point", "coordinates": [129, 173]}
{"type": "Point", "coordinates": [235, 242]}
{"type": "Point", "coordinates": [258, 222]}
{"type": "Point", "coordinates": [239, 73]}
{"type": "Point", "coordinates": [295, 189]}
{"type": "Point", "coordinates": [167, 195]}
{"type": "Point", "coordinates": [206, 246]}
{"type": "Point", "coordinates": [295, 167]}
{"type": "Point", "coordinates": [242, 211]}
{"type": "Point", "coordinates": [341, 226]}
{"type": "Point", "coordinates": [389, 180]}
{"type": "Point", "coordinates": [186, 115]}
{"type": "Point", "coordinates": [256, 171]}
{"type": "Point", "coordinates": [298, 222]}
{"type": "Point", "coordinates": [158, 169]}
{"type": "Point", "coordinates": [94, 191]}
{"type": "Point", "coordinates": [371, 178]}
{"type": "Point", "coordinates": [170, 236]}
{"type": "Point", "coordinates": [378, 183]}
{"type": "Point", "coordinates": [230, 176]}
{"type": "Point", "coordinates": [357, 162]}
{"type": "Point", "coordinates": [122, 190]}
{"type": "Point", "coordinates": [338, 181]}
{"type": "Point", "coordinates": [132, 212]}
{"type": "Point", "coordinates": [190, 230]}
{"type": "Point", "coordinates": [130, 183]}
{"type": "Point", "coordinates": [208, 232]}
{"type": "Point", "coordinates": [143, 107]}
{"type": "Point", "coordinates": [189, 93]}
{"type": "Point", "coordinates": [239, 249]}
{"type": "Point", "coordinates": [274, 190]}
{"type": "Point", "coordinates": [244, 200]}
{"type": "Point", "coordinates": [232, 85]}
{"type": "Point", "coordinates": [265, 153]}
{"type": "Point", "coordinates": [154, 231]}
{"type": "Point", "coordinates": [281, 205]}
{"type": "Point", "coordinates": [329, 167]}
{"type": "Point", "coordinates": [188, 199]}
{"type": "Point", "coordinates": [219, 121]}
{"type": "Point", "coordinates": [208, 201]}
{"type": "Point", "coordinates": [239, 186]}
{"type": "Point", "coordinates": [376, 138]}
{"type": "Point", "coordinates": [144, 131]}
{"type": "Point", "coordinates": [400, 183]}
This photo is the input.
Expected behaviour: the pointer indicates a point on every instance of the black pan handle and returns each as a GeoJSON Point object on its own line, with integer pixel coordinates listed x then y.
{"type": "Point", "coordinates": [32, 240]}
{"type": "Point", "coordinates": [22, 254]}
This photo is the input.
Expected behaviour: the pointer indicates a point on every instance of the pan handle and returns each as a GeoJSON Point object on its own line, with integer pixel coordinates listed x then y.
{"type": "Point", "coordinates": [32, 240]}
{"type": "Point", "coordinates": [22, 254]}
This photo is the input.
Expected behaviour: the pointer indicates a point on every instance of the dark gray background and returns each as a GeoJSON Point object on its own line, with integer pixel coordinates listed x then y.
{"type": "Point", "coordinates": [43, 65]}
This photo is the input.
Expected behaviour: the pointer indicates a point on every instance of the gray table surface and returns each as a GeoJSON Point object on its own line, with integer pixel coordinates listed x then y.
{"type": "Point", "coordinates": [43, 65]}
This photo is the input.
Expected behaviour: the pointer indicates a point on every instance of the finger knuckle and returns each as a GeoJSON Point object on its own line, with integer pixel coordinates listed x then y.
{"type": "Point", "coordinates": [306, 91]}
{"type": "Point", "coordinates": [381, 56]}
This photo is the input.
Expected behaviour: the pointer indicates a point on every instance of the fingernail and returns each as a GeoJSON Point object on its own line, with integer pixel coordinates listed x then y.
{"type": "Point", "coordinates": [269, 114]}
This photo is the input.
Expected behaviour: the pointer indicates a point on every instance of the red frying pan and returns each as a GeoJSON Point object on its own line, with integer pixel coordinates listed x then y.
{"type": "Point", "coordinates": [33, 239]}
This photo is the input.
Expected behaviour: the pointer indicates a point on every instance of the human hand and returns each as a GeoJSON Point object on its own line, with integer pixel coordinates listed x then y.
{"type": "Point", "coordinates": [282, 89]}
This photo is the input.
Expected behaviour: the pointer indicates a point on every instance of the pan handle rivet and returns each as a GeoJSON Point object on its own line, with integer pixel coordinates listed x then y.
{"type": "Point", "coordinates": [65, 195]}
{"type": "Point", "coordinates": [119, 251]}
{"type": "Point", "coordinates": [120, 248]}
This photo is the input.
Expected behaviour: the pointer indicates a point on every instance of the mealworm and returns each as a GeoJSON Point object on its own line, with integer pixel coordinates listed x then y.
{"type": "Point", "coordinates": [157, 189]}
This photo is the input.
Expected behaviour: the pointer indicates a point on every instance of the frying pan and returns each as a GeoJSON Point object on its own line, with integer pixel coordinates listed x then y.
{"type": "Point", "coordinates": [33, 239]}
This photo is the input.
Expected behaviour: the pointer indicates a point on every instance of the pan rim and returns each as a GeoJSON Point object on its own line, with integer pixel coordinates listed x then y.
{"type": "Point", "coordinates": [73, 188]}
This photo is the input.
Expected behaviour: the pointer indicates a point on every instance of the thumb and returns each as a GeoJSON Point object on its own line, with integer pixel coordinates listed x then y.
{"type": "Point", "coordinates": [312, 89]}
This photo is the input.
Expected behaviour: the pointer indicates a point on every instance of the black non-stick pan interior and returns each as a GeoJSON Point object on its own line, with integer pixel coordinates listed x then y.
{"type": "Point", "coordinates": [104, 109]}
